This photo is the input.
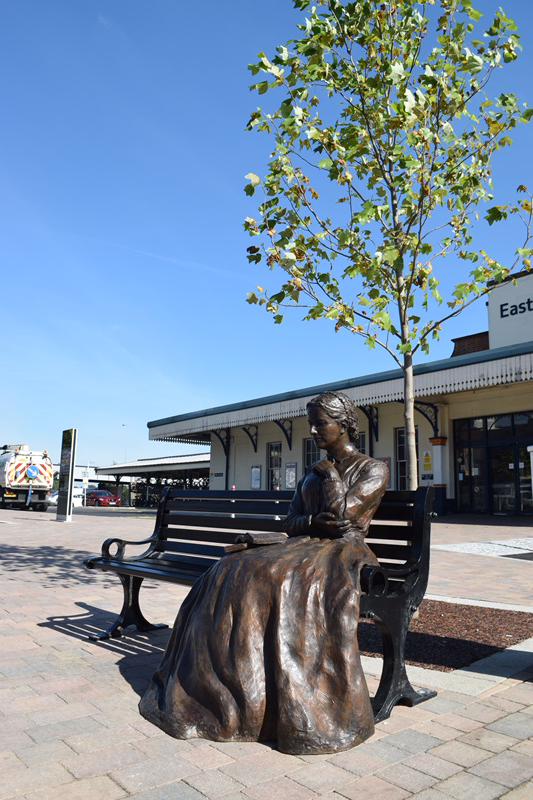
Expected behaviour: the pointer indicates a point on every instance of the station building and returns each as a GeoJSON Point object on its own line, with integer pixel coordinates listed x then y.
{"type": "Point", "coordinates": [474, 415]}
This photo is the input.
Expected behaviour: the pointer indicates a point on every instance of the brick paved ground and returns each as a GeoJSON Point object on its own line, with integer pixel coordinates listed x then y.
{"type": "Point", "coordinates": [68, 708]}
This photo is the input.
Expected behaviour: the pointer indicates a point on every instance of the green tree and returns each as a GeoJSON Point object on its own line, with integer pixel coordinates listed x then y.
{"type": "Point", "coordinates": [383, 143]}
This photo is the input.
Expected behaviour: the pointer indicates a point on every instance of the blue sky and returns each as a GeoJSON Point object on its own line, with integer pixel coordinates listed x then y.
{"type": "Point", "coordinates": [122, 162]}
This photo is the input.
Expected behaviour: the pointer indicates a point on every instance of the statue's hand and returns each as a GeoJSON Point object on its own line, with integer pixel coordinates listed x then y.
{"type": "Point", "coordinates": [328, 524]}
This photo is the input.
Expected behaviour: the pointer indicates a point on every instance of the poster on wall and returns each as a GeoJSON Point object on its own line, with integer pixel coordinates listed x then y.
{"type": "Point", "coordinates": [290, 476]}
{"type": "Point", "coordinates": [255, 480]}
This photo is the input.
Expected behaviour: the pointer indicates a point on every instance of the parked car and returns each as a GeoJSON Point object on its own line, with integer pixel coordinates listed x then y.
{"type": "Point", "coordinates": [101, 497]}
{"type": "Point", "coordinates": [77, 497]}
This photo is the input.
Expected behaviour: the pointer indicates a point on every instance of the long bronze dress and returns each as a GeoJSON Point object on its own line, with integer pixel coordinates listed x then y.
{"type": "Point", "coordinates": [264, 647]}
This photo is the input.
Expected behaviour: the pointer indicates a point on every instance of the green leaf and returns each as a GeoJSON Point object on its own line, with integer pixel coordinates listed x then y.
{"type": "Point", "coordinates": [495, 214]}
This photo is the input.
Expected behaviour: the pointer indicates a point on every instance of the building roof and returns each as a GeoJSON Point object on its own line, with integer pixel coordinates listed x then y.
{"type": "Point", "coordinates": [150, 466]}
{"type": "Point", "coordinates": [510, 364]}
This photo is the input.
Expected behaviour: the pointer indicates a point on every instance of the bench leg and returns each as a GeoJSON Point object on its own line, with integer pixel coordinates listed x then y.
{"type": "Point", "coordinates": [130, 614]}
{"type": "Point", "coordinates": [394, 687]}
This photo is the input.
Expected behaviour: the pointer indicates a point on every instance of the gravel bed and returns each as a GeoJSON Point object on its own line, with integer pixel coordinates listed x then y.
{"type": "Point", "coordinates": [448, 636]}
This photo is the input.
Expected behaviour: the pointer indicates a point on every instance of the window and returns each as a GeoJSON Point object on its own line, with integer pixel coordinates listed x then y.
{"type": "Point", "coordinates": [401, 457]}
{"type": "Point", "coordinates": [311, 453]}
{"type": "Point", "coordinates": [273, 466]}
{"type": "Point", "coordinates": [362, 442]}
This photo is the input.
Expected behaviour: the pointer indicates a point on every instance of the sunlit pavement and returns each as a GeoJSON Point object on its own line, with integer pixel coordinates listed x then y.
{"type": "Point", "coordinates": [68, 707]}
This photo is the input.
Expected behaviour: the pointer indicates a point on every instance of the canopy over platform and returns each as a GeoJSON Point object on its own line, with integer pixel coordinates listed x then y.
{"type": "Point", "coordinates": [196, 465]}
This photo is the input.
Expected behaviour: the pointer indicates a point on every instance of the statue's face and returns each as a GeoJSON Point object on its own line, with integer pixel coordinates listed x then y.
{"type": "Point", "coordinates": [325, 430]}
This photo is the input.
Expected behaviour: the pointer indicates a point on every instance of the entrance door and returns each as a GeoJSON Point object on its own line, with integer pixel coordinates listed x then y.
{"type": "Point", "coordinates": [503, 472]}
{"type": "Point", "coordinates": [524, 478]}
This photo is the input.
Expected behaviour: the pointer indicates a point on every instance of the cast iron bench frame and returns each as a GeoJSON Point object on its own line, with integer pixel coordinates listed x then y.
{"type": "Point", "coordinates": [193, 529]}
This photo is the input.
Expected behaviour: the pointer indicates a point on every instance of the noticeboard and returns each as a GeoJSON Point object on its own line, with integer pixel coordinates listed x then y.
{"type": "Point", "coordinates": [66, 474]}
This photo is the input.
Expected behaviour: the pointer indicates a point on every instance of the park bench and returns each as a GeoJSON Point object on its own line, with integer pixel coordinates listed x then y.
{"type": "Point", "coordinates": [194, 529]}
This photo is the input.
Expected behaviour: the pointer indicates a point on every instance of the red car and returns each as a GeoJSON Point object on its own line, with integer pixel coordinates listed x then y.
{"type": "Point", "coordinates": [101, 497]}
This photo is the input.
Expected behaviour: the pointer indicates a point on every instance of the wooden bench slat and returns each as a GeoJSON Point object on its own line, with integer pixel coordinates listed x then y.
{"type": "Point", "coordinates": [200, 548]}
{"type": "Point", "coordinates": [177, 561]}
{"type": "Point", "coordinates": [396, 532]}
{"type": "Point", "coordinates": [241, 494]}
{"type": "Point", "coordinates": [393, 511]}
{"type": "Point", "coordinates": [394, 551]}
{"type": "Point", "coordinates": [198, 535]}
{"type": "Point", "coordinates": [146, 569]}
{"type": "Point", "coordinates": [241, 522]}
{"type": "Point", "coordinates": [224, 506]}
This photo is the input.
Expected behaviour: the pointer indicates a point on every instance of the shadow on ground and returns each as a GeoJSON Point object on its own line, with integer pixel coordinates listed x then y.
{"type": "Point", "coordinates": [442, 653]}
{"type": "Point", "coordinates": [138, 654]}
{"type": "Point", "coordinates": [50, 565]}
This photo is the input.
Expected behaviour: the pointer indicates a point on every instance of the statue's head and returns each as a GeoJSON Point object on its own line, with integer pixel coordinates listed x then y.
{"type": "Point", "coordinates": [341, 408]}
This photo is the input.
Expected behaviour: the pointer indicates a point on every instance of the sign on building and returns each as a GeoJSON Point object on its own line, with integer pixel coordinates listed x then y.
{"type": "Point", "coordinates": [66, 475]}
{"type": "Point", "coordinates": [511, 312]}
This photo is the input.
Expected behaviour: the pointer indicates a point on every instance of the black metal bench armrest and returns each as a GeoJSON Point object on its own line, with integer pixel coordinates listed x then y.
{"type": "Point", "coordinates": [373, 581]}
{"type": "Point", "coordinates": [121, 546]}
{"type": "Point", "coordinates": [405, 571]}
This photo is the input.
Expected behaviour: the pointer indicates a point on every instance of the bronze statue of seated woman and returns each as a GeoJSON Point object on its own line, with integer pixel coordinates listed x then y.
{"type": "Point", "coordinates": [264, 647]}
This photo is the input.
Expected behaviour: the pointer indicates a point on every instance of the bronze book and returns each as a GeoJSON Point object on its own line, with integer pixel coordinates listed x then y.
{"type": "Point", "coordinates": [255, 539]}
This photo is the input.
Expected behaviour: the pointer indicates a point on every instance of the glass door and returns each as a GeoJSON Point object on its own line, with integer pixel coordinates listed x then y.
{"type": "Point", "coordinates": [471, 479]}
{"type": "Point", "coordinates": [525, 500]}
{"type": "Point", "coordinates": [503, 472]}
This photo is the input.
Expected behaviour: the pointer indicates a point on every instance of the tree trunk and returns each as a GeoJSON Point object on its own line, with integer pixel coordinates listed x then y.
{"type": "Point", "coordinates": [409, 416]}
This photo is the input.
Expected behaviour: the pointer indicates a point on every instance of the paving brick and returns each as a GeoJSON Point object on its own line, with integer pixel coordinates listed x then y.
{"type": "Point", "coordinates": [63, 730]}
{"type": "Point", "coordinates": [89, 742]}
{"type": "Point", "coordinates": [519, 725]}
{"type": "Point", "coordinates": [261, 767]}
{"type": "Point", "coordinates": [488, 740]}
{"type": "Point", "coordinates": [460, 753]}
{"type": "Point", "coordinates": [89, 765]}
{"type": "Point", "coordinates": [165, 746]}
{"type": "Point", "coordinates": [407, 778]}
{"type": "Point", "coordinates": [173, 791]}
{"type": "Point", "coordinates": [152, 772]}
{"type": "Point", "coordinates": [385, 751]}
{"type": "Point", "coordinates": [524, 747]}
{"type": "Point", "coordinates": [524, 792]}
{"type": "Point", "coordinates": [323, 777]}
{"type": "Point", "coordinates": [436, 728]}
{"type": "Point", "coordinates": [509, 768]}
{"type": "Point", "coordinates": [239, 749]}
{"type": "Point", "coordinates": [282, 788]}
{"type": "Point", "coordinates": [213, 783]}
{"type": "Point", "coordinates": [372, 788]}
{"type": "Point", "coordinates": [101, 788]}
{"type": "Point", "coordinates": [445, 703]}
{"type": "Point", "coordinates": [62, 713]}
{"type": "Point", "coordinates": [482, 713]}
{"type": "Point", "coordinates": [206, 757]}
{"type": "Point", "coordinates": [462, 724]}
{"type": "Point", "coordinates": [500, 701]}
{"type": "Point", "coordinates": [43, 753]}
{"type": "Point", "coordinates": [9, 760]}
{"type": "Point", "coordinates": [413, 741]}
{"type": "Point", "coordinates": [433, 765]}
{"type": "Point", "coordinates": [13, 739]}
{"type": "Point", "coordinates": [521, 693]}
{"type": "Point", "coordinates": [359, 761]}
{"type": "Point", "coordinates": [431, 794]}
{"type": "Point", "coordinates": [465, 786]}
{"type": "Point", "coordinates": [24, 780]}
